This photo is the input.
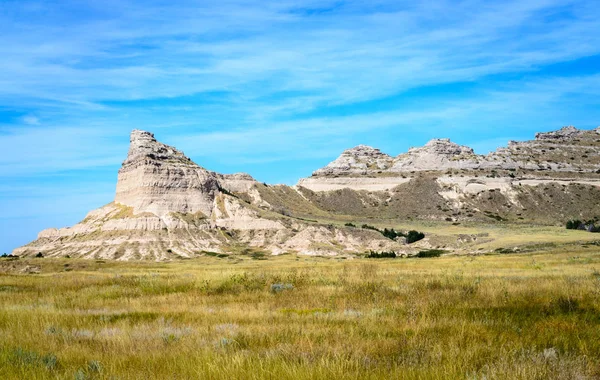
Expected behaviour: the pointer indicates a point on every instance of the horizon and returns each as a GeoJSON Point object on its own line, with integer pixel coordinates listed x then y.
{"type": "Point", "coordinates": [273, 89]}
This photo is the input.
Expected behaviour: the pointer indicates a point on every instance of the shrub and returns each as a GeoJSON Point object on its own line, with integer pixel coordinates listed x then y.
{"type": "Point", "coordinates": [589, 225]}
{"type": "Point", "coordinates": [413, 236]}
{"type": "Point", "coordinates": [94, 366]}
{"type": "Point", "coordinates": [226, 192]}
{"type": "Point", "coordinates": [431, 253]}
{"type": "Point", "coordinates": [258, 255]}
{"type": "Point", "coordinates": [39, 254]}
{"type": "Point", "coordinates": [391, 234]}
{"type": "Point", "coordinates": [368, 227]}
{"type": "Point", "coordinates": [381, 255]}
{"type": "Point", "coordinates": [277, 288]}
{"type": "Point", "coordinates": [32, 358]}
{"type": "Point", "coordinates": [350, 224]}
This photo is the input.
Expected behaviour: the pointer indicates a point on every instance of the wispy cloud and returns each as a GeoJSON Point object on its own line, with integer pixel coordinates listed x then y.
{"type": "Point", "coordinates": [31, 120]}
{"type": "Point", "coordinates": [33, 151]}
{"type": "Point", "coordinates": [349, 54]}
{"type": "Point", "coordinates": [241, 83]}
{"type": "Point", "coordinates": [278, 62]}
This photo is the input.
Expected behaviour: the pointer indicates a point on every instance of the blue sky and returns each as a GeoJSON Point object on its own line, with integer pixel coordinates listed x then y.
{"type": "Point", "coordinates": [273, 88]}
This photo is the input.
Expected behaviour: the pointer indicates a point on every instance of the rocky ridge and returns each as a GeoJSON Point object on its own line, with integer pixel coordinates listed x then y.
{"type": "Point", "coordinates": [568, 152]}
{"type": "Point", "coordinates": [166, 206]}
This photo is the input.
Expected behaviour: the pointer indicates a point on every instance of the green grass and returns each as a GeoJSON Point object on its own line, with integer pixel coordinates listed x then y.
{"type": "Point", "coordinates": [507, 316]}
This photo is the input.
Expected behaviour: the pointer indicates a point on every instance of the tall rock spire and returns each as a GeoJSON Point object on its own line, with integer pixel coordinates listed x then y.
{"type": "Point", "coordinates": [160, 179]}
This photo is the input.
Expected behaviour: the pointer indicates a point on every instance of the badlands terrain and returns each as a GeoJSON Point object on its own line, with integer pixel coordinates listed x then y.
{"type": "Point", "coordinates": [260, 282]}
{"type": "Point", "coordinates": [168, 207]}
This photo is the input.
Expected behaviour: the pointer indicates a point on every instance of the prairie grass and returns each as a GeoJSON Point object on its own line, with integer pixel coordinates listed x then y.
{"type": "Point", "coordinates": [510, 316]}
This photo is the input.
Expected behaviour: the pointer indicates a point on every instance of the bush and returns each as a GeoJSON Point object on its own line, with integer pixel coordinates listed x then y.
{"type": "Point", "coordinates": [277, 288]}
{"type": "Point", "coordinates": [258, 255]}
{"type": "Point", "coordinates": [381, 255]}
{"type": "Point", "coordinates": [431, 253]}
{"type": "Point", "coordinates": [350, 224]}
{"type": "Point", "coordinates": [39, 255]}
{"type": "Point", "coordinates": [588, 225]}
{"type": "Point", "coordinates": [391, 234]}
{"type": "Point", "coordinates": [573, 224]}
{"type": "Point", "coordinates": [226, 192]}
{"type": "Point", "coordinates": [413, 236]}
{"type": "Point", "coordinates": [368, 227]}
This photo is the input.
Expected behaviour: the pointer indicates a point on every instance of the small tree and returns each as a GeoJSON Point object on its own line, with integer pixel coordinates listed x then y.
{"type": "Point", "coordinates": [413, 236]}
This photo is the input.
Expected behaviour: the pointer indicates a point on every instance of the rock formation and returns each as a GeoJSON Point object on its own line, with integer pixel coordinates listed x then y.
{"type": "Point", "coordinates": [166, 206]}
{"type": "Point", "coordinates": [567, 153]}
{"type": "Point", "coordinates": [159, 179]}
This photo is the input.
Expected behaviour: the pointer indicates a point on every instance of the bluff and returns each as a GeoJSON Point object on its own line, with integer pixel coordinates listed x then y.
{"type": "Point", "coordinates": [545, 180]}
{"type": "Point", "coordinates": [159, 179]}
{"type": "Point", "coordinates": [166, 206]}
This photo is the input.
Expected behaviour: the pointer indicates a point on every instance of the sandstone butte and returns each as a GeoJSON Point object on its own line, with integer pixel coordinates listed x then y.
{"type": "Point", "coordinates": [168, 207]}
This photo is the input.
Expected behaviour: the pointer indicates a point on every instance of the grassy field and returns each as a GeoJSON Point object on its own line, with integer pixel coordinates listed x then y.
{"type": "Point", "coordinates": [514, 316]}
{"type": "Point", "coordinates": [492, 236]}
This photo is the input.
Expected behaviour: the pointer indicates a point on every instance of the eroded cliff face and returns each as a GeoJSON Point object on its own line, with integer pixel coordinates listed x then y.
{"type": "Point", "coordinates": [166, 206]}
{"type": "Point", "coordinates": [159, 179]}
{"type": "Point", "coordinates": [547, 180]}
{"type": "Point", "coordinates": [568, 153]}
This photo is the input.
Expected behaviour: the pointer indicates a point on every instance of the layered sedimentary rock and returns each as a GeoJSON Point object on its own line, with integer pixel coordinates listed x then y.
{"type": "Point", "coordinates": [568, 153]}
{"type": "Point", "coordinates": [358, 160]}
{"type": "Point", "coordinates": [238, 182]}
{"type": "Point", "coordinates": [159, 179]}
{"type": "Point", "coordinates": [166, 206]}
{"type": "Point", "coordinates": [546, 180]}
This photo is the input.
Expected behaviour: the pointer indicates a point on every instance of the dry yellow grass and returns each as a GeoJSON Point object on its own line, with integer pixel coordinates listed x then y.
{"type": "Point", "coordinates": [522, 316]}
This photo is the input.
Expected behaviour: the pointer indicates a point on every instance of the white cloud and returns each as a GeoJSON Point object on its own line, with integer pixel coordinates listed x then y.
{"type": "Point", "coordinates": [353, 55]}
{"type": "Point", "coordinates": [264, 79]}
{"type": "Point", "coordinates": [31, 120]}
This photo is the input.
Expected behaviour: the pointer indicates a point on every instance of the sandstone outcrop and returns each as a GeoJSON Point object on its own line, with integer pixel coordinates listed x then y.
{"type": "Point", "coordinates": [568, 153]}
{"type": "Point", "coordinates": [159, 179]}
{"type": "Point", "coordinates": [549, 179]}
{"type": "Point", "coordinates": [358, 160]}
{"type": "Point", "coordinates": [167, 207]}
